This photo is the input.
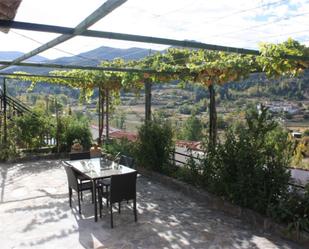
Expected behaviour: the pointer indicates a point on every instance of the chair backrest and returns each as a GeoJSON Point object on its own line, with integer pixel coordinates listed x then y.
{"type": "Point", "coordinates": [80, 155]}
{"type": "Point", "coordinates": [72, 177]}
{"type": "Point", "coordinates": [127, 161]}
{"type": "Point", "coordinates": [123, 187]}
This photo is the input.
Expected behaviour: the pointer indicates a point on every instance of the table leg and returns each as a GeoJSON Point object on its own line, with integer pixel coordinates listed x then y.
{"type": "Point", "coordinates": [94, 188]}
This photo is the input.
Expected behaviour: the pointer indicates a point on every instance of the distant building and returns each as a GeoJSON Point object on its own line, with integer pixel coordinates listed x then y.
{"type": "Point", "coordinates": [278, 107]}
{"type": "Point", "coordinates": [296, 134]}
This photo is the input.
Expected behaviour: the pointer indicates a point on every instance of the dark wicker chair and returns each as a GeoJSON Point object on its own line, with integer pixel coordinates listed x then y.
{"type": "Point", "coordinates": [74, 184]}
{"type": "Point", "coordinates": [122, 188]}
{"type": "Point", "coordinates": [80, 156]}
{"type": "Point", "coordinates": [124, 160]}
{"type": "Point", "coordinates": [127, 161]}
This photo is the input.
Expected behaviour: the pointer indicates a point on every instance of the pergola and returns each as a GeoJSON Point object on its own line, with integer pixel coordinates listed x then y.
{"type": "Point", "coordinates": [7, 22]}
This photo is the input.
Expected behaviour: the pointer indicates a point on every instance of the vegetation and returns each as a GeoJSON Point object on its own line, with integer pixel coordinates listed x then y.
{"type": "Point", "coordinates": [31, 129]}
{"type": "Point", "coordinates": [247, 165]}
{"type": "Point", "coordinates": [249, 168]}
{"type": "Point", "coordinates": [8, 150]}
{"type": "Point", "coordinates": [124, 146]}
{"type": "Point", "coordinates": [250, 165]}
{"type": "Point", "coordinates": [154, 144]}
{"type": "Point", "coordinates": [292, 209]}
{"type": "Point", "coordinates": [74, 128]}
{"type": "Point", "coordinates": [192, 129]}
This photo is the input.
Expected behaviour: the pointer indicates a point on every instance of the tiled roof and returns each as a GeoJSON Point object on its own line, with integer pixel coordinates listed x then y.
{"type": "Point", "coordinates": [193, 145]}
{"type": "Point", "coordinates": [132, 136]}
{"type": "Point", "coordinates": [123, 134]}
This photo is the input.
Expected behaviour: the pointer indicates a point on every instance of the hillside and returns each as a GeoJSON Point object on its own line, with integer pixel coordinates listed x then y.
{"type": "Point", "coordinates": [256, 86]}
{"type": "Point", "coordinates": [89, 58]}
{"type": "Point", "coordinates": [93, 57]}
{"type": "Point", "coordinates": [11, 55]}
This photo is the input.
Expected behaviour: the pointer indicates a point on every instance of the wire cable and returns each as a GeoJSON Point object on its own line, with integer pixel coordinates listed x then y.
{"type": "Point", "coordinates": [261, 25]}
{"type": "Point", "coordinates": [84, 57]}
{"type": "Point", "coordinates": [246, 10]}
{"type": "Point", "coordinates": [57, 49]}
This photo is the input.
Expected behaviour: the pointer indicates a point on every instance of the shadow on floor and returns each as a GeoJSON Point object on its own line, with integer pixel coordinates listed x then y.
{"type": "Point", "coordinates": [166, 219]}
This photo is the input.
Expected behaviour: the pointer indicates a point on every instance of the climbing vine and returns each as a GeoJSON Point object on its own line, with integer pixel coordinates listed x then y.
{"type": "Point", "coordinates": [203, 67]}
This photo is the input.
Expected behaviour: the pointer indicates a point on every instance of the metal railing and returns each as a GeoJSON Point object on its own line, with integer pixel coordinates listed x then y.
{"type": "Point", "coordinates": [15, 107]}
{"type": "Point", "coordinates": [174, 160]}
{"type": "Point", "coordinates": [190, 156]}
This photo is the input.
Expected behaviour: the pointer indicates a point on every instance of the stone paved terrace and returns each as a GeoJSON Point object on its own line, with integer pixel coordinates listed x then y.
{"type": "Point", "coordinates": [35, 213]}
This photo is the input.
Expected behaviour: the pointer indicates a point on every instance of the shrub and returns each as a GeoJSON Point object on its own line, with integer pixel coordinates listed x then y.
{"type": "Point", "coordinates": [298, 154]}
{"type": "Point", "coordinates": [192, 129]}
{"type": "Point", "coordinates": [305, 142]}
{"type": "Point", "coordinates": [30, 129]}
{"type": "Point", "coordinates": [293, 209]}
{"type": "Point", "coordinates": [72, 128]}
{"type": "Point", "coordinates": [123, 145]}
{"type": "Point", "coordinates": [249, 167]}
{"type": "Point", "coordinates": [8, 150]}
{"type": "Point", "coordinates": [119, 120]}
{"type": "Point", "coordinates": [154, 144]}
{"type": "Point", "coordinates": [190, 172]}
{"type": "Point", "coordinates": [221, 124]}
{"type": "Point", "coordinates": [184, 109]}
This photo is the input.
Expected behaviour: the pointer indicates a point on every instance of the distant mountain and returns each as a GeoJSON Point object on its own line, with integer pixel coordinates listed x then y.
{"type": "Point", "coordinates": [90, 58]}
{"type": "Point", "coordinates": [11, 55]}
{"type": "Point", "coordinates": [94, 57]}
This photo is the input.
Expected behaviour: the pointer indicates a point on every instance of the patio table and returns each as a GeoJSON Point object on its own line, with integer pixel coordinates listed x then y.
{"type": "Point", "coordinates": [97, 168]}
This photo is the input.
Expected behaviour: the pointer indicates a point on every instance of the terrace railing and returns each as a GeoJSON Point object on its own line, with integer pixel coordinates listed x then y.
{"type": "Point", "coordinates": [13, 107]}
{"type": "Point", "coordinates": [175, 155]}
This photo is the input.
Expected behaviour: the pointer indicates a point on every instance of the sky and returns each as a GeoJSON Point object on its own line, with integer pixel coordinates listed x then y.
{"type": "Point", "coordinates": [237, 23]}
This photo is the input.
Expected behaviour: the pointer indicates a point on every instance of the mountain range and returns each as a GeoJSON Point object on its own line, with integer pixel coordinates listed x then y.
{"type": "Point", "coordinates": [89, 58]}
{"type": "Point", "coordinates": [11, 55]}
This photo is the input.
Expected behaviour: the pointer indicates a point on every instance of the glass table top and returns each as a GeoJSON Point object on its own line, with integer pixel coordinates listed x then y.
{"type": "Point", "coordinates": [99, 167]}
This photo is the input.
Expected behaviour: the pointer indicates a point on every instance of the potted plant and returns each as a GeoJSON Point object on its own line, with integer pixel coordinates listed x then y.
{"type": "Point", "coordinates": [76, 147]}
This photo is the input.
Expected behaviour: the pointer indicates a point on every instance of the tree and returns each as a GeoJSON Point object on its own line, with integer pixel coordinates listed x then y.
{"type": "Point", "coordinates": [36, 126]}
{"type": "Point", "coordinates": [210, 68]}
{"type": "Point", "coordinates": [202, 67]}
{"type": "Point", "coordinates": [206, 68]}
{"type": "Point", "coordinates": [193, 129]}
{"type": "Point", "coordinates": [273, 59]}
{"type": "Point", "coordinates": [108, 82]}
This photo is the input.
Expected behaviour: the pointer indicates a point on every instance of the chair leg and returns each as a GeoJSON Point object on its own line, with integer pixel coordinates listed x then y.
{"type": "Point", "coordinates": [107, 198]}
{"type": "Point", "coordinates": [79, 207]}
{"type": "Point", "coordinates": [134, 209]}
{"type": "Point", "coordinates": [119, 207]}
{"type": "Point", "coordinates": [111, 211]}
{"type": "Point", "coordinates": [81, 194]}
{"type": "Point", "coordinates": [100, 201]}
{"type": "Point", "coordinates": [70, 197]}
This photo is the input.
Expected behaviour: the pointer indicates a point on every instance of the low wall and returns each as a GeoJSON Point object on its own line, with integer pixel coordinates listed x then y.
{"type": "Point", "coordinates": [257, 220]}
{"type": "Point", "coordinates": [27, 158]}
